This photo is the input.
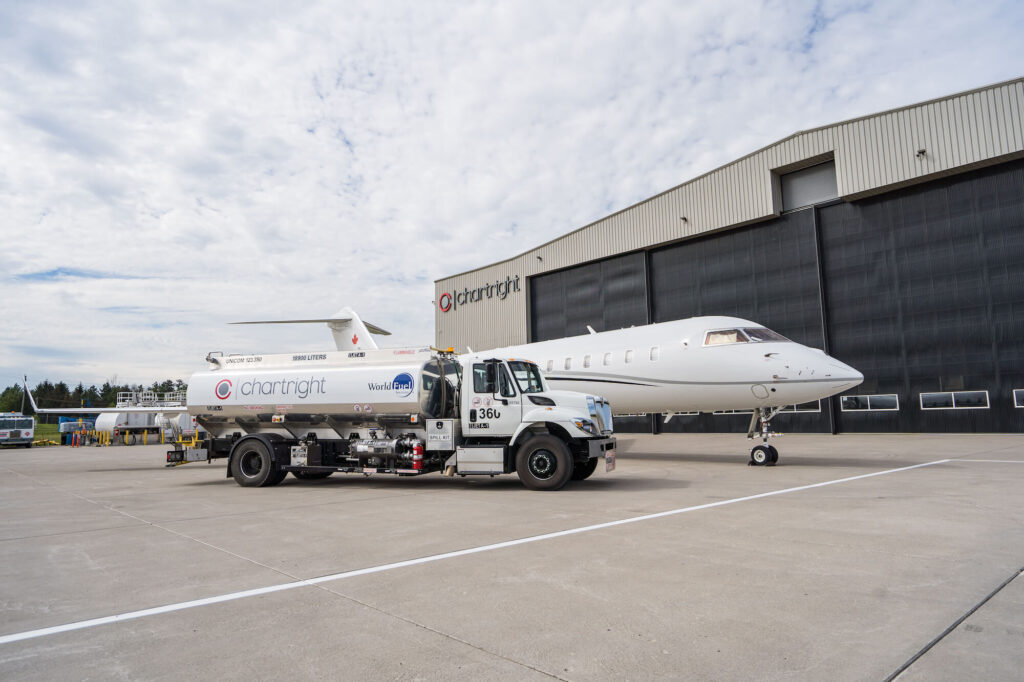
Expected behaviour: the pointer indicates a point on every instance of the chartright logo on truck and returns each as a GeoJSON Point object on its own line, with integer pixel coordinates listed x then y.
{"type": "Point", "coordinates": [223, 389]}
{"type": "Point", "coordinates": [402, 385]}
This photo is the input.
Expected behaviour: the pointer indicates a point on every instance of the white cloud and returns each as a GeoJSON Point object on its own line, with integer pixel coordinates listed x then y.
{"type": "Point", "coordinates": [248, 162]}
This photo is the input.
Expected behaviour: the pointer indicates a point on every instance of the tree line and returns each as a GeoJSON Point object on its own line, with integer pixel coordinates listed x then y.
{"type": "Point", "coordinates": [60, 394]}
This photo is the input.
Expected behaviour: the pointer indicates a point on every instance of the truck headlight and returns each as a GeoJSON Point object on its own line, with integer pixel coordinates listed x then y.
{"type": "Point", "coordinates": [586, 425]}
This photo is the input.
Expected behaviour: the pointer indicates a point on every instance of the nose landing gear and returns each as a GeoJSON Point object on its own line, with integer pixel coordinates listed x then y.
{"type": "Point", "coordinates": [764, 454]}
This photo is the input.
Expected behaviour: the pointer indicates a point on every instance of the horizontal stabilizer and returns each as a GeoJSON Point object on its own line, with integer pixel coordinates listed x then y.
{"type": "Point", "coordinates": [350, 332]}
{"type": "Point", "coordinates": [372, 328]}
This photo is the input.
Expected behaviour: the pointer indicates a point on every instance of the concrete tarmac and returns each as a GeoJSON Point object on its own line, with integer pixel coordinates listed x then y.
{"type": "Point", "coordinates": [843, 562]}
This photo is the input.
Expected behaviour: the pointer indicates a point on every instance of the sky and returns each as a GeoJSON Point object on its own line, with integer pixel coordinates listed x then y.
{"type": "Point", "coordinates": [168, 167]}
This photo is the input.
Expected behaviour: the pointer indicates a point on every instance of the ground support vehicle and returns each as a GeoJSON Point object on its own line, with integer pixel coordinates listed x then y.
{"type": "Point", "coordinates": [393, 411]}
{"type": "Point", "coordinates": [16, 429]}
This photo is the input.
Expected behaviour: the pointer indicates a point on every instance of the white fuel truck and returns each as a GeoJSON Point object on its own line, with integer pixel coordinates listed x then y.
{"type": "Point", "coordinates": [393, 411]}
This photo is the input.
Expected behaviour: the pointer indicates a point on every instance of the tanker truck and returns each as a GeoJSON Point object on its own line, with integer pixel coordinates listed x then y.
{"type": "Point", "coordinates": [405, 412]}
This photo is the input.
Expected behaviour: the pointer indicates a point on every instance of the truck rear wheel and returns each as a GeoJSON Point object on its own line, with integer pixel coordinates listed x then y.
{"type": "Point", "coordinates": [544, 463]}
{"type": "Point", "coordinates": [582, 470]}
{"type": "Point", "coordinates": [253, 467]}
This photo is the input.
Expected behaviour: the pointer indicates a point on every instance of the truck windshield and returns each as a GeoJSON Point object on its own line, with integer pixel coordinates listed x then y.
{"type": "Point", "coordinates": [527, 376]}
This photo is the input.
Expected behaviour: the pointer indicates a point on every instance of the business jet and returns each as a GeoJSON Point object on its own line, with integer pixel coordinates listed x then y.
{"type": "Point", "coordinates": [700, 364]}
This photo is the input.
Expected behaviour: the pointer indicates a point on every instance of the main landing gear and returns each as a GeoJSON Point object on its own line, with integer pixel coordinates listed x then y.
{"type": "Point", "coordinates": [764, 454]}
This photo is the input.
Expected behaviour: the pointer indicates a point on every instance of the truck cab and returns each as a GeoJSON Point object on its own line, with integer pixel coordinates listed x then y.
{"type": "Point", "coordinates": [510, 421]}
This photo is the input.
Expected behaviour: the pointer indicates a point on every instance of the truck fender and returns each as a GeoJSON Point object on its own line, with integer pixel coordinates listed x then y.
{"type": "Point", "coordinates": [271, 440]}
{"type": "Point", "coordinates": [525, 432]}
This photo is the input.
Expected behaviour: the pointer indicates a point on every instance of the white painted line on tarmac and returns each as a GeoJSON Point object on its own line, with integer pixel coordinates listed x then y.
{"type": "Point", "coordinates": [180, 606]}
{"type": "Point", "coordinates": [994, 461]}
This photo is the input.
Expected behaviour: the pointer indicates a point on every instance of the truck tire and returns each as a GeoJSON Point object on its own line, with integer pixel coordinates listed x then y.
{"type": "Point", "coordinates": [253, 467]}
{"type": "Point", "coordinates": [582, 470]}
{"type": "Point", "coordinates": [544, 463]}
{"type": "Point", "coordinates": [311, 475]}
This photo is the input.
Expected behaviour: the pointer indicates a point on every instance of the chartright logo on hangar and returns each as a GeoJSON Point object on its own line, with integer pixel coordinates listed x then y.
{"type": "Point", "coordinates": [402, 385]}
{"type": "Point", "coordinates": [223, 389]}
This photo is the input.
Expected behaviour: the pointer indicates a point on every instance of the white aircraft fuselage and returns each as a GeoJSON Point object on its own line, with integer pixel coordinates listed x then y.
{"type": "Point", "coordinates": [691, 365]}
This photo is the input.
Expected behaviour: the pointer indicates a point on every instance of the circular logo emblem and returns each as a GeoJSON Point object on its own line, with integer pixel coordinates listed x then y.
{"type": "Point", "coordinates": [445, 302]}
{"type": "Point", "coordinates": [403, 384]}
{"type": "Point", "coordinates": [223, 389]}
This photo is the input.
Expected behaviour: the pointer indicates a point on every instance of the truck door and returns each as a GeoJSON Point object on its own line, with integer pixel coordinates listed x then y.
{"type": "Point", "coordinates": [492, 406]}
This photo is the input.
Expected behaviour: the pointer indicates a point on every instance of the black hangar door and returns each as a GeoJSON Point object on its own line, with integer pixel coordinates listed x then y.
{"type": "Point", "coordinates": [606, 295]}
{"type": "Point", "coordinates": [925, 295]}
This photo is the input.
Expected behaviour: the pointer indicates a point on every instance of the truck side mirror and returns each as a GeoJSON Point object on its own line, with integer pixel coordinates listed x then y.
{"type": "Point", "coordinates": [491, 380]}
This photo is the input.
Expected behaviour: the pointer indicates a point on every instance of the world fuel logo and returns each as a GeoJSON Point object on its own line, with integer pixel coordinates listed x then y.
{"type": "Point", "coordinates": [402, 385]}
{"type": "Point", "coordinates": [223, 389]}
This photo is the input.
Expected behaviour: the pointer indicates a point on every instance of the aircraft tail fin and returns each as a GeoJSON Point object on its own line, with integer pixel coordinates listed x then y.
{"type": "Point", "coordinates": [348, 329]}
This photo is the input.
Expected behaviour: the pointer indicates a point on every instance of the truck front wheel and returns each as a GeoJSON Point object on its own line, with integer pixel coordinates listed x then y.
{"type": "Point", "coordinates": [253, 467]}
{"type": "Point", "coordinates": [544, 463]}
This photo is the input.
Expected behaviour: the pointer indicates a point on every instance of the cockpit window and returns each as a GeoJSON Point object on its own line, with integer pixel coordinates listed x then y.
{"type": "Point", "coordinates": [760, 334]}
{"type": "Point", "coordinates": [723, 336]}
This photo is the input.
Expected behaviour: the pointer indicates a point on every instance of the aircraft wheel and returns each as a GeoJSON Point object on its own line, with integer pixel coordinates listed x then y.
{"type": "Point", "coordinates": [582, 471]}
{"type": "Point", "coordinates": [775, 455]}
{"type": "Point", "coordinates": [760, 455]}
{"type": "Point", "coordinates": [544, 463]}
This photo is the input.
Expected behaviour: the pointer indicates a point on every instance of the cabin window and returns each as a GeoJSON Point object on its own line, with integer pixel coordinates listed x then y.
{"type": "Point", "coordinates": [586, 361]}
{"type": "Point", "coordinates": [551, 365]}
{"type": "Point", "coordinates": [629, 356]}
{"type": "Point", "coordinates": [607, 358]}
{"type": "Point", "coordinates": [654, 353]}
{"type": "Point", "coordinates": [568, 363]}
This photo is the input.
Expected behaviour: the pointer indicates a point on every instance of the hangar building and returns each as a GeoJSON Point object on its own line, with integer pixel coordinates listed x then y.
{"type": "Point", "coordinates": [893, 241]}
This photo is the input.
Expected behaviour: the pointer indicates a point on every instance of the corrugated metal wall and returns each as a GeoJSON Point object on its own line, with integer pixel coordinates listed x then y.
{"type": "Point", "coordinates": [873, 154]}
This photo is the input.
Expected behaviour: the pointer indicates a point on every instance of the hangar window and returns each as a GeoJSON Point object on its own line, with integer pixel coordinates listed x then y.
{"type": "Point", "coordinates": [955, 400]}
{"type": "Point", "coordinates": [629, 356]}
{"type": "Point", "coordinates": [813, 406]}
{"type": "Point", "coordinates": [568, 363]}
{"type": "Point", "coordinates": [607, 358]}
{"type": "Point", "coordinates": [809, 186]}
{"type": "Point", "coordinates": [888, 402]}
{"type": "Point", "coordinates": [1018, 397]}
{"type": "Point", "coordinates": [586, 361]}
{"type": "Point", "coordinates": [654, 353]}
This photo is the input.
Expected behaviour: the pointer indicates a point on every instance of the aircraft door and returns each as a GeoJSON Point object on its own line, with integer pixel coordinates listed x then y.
{"type": "Point", "coordinates": [493, 406]}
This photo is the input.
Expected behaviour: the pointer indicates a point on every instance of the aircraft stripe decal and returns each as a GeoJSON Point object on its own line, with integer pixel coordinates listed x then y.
{"type": "Point", "coordinates": [602, 381]}
{"type": "Point", "coordinates": [643, 381]}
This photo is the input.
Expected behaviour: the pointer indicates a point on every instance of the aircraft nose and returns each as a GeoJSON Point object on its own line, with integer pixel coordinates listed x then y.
{"type": "Point", "coordinates": [841, 372]}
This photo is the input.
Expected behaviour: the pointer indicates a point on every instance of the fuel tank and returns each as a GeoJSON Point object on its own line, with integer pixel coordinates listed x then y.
{"type": "Point", "coordinates": [360, 384]}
